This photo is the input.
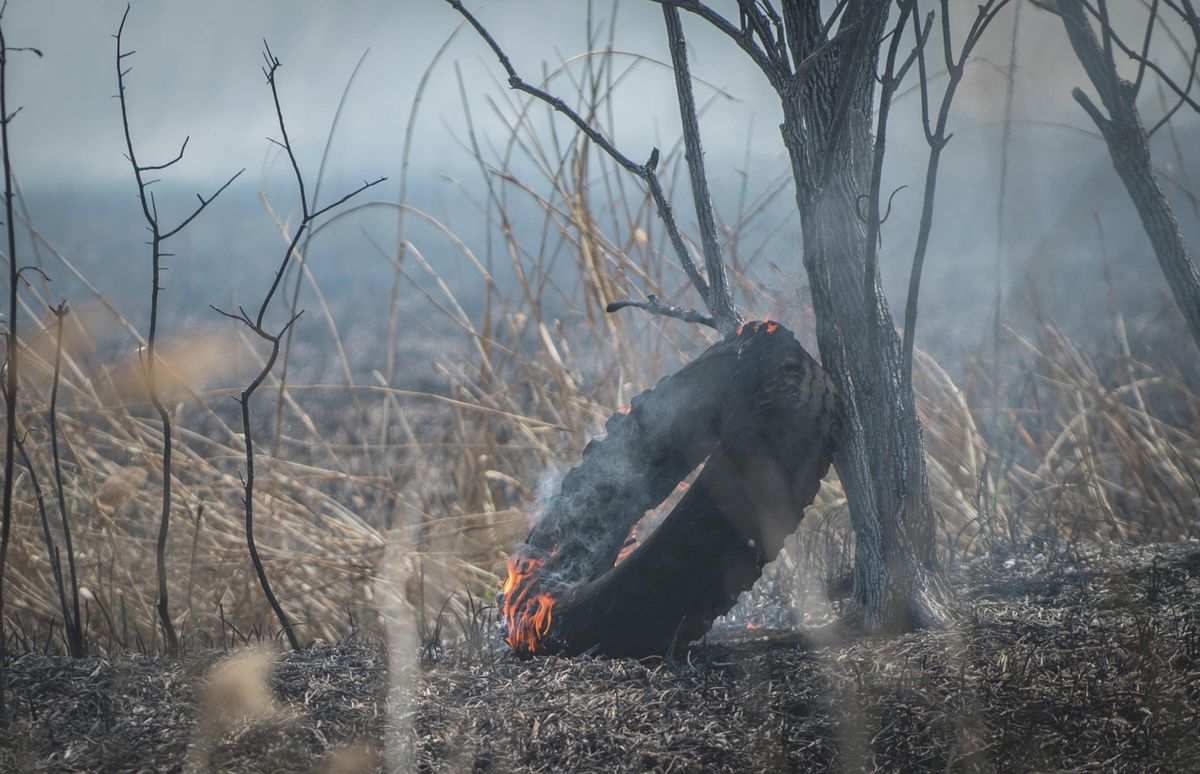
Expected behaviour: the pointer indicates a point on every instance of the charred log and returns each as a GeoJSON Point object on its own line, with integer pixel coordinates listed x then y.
{"type": "Point", "coordinates": [762, 417]}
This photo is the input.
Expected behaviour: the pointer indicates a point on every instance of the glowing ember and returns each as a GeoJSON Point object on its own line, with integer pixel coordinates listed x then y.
{"type": "Point", "coordinates": [753, 627]}
{"type": "Point", "coordinates": [627, 547]}
{"type": "Point", "coordinates": [624, 410]}
{"type": "Point", "coordinates": [756, 326]}
{"type": "Point", "coordinates": [525, 615]}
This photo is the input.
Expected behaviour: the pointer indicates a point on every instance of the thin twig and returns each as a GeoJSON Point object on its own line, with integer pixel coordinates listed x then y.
{"type": "Point", "coordinates": [654, 306]}
{"type": "Point", "coordinates": [75, 633]}
{"type": "Point", "coordinates": [889, 81]}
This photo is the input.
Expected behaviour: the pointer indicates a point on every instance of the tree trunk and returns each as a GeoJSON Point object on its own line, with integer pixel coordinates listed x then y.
{"type": "Point", "coordinates": [881, 459]}
{"type": "Point", "coordinates": [1129, 146]}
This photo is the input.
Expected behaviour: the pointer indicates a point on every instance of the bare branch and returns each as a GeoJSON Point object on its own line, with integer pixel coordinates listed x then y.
{"type": "Point", "coordinates": [1110, 37]}
{"type": "Point", "coordinates": [256, 325]}
{"type": "Point", "coordinates": [347, 197]}
{"type": "Point", "coordinates": [1167, 116]}
{"type": "Point", "coordinates": [178, 156]}
{"type": "Point", "coordinates": [1093, 112]}
{"type": "Point", "coordinates": [937, 138]}
{"type": "Point", "coordinates": [645, 171]}
{"type": "Point", "coordinates": [718, 300]}
{"type": "Point", "coordinates": [772, 69]}
{"type": "Point", "coordinates": [888, 83]}
{"type": "Point", "coordinates": [203, 203]}
{"type": "Point", "coordinates": [1141, 72]}
{"type": "Point", "coordinates": [654, 306]}
{"type": "Point", "coordinates": [75, 633]}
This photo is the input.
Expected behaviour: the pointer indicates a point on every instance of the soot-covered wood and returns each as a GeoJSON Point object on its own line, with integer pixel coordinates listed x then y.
{"type": "Point", "coordinates": [764, 415]}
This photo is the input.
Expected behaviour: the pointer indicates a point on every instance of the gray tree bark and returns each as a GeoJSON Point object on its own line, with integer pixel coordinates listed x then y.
{"type": "Point", "coordinates": [827, 121]}
{"type": "Point", "coordinates": [1129, 146]}
{"type": "Point", "coordinates": [825, 81]}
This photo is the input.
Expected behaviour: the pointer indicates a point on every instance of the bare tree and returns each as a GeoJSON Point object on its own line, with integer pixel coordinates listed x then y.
{"type": "Point", "coordinates": [159, 235]}
{"type": "Point", "coordinates": [824, 68]}
{"type": "Point", "coordinates": [1120, 124]}
{"type": "Point", "coordinates": [12, 341]}
{"type": "Point", "coordinates": [309, 212]}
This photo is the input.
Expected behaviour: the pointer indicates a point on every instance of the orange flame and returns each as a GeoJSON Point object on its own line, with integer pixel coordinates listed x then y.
{"type": "Point", "coordinates": [526, 615]}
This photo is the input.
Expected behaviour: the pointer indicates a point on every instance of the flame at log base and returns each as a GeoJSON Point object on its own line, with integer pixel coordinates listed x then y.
{"type": "Point", "coordinates": [526, 615]}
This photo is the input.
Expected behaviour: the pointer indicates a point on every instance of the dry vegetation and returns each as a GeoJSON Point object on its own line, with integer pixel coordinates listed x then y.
{"type": "Point", "coordinates": [1039, 440]}
{"type": "Point", "coordinates": [1063, 659]}
{"type": "Point", "coordinates": [1039, 454]}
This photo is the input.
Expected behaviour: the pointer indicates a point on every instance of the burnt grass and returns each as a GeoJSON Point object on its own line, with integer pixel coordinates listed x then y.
{"type": "Point", "coordinates": [1058, 660]}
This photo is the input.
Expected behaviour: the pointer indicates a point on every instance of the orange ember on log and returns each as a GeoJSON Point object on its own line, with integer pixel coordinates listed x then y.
{"type": "Point", "coordinates": [627, 547]}
{"type": "Point", "coordinates": [758, 326]}
{"type": "Point", "coordinates": [526, 615]}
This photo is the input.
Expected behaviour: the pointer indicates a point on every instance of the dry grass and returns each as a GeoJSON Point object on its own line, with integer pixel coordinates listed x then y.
{"type": "Point", "coordinates": [1043, 441]}
{"type": "Point", "coordinates": [1059, 659]}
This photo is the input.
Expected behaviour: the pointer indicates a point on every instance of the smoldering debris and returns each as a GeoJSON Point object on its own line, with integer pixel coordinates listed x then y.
{"type": "Point", "coordinates": [1061, 658]}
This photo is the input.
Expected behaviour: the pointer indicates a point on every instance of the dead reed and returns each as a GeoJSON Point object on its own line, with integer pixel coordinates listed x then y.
{"type": "Point", "coordinates": [1041, 440]}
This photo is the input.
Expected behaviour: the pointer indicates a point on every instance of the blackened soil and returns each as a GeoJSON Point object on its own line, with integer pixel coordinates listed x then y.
{"type": "Point", "coordinates": [1075, 659]}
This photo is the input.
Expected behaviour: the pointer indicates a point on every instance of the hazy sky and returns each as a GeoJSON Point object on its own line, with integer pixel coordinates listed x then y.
{"type": "Point", "coordinates": [197, 72]}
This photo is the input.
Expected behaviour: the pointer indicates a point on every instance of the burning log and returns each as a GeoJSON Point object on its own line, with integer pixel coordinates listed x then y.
{"type": "Point", "coordinates": [762, 417]}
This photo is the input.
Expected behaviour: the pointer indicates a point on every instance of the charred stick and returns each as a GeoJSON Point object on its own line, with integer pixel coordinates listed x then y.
{"type": "Point", "coordinates": [75, 634]}
{"type": "Point", "coordinates": [158, 236]}
{"type": "Point", "coordinates": [10, 357]}
{"type": "Point", "coordinates": [654, 306]}
{"type": "Point", "coordinates": [259, 570]}
{"type": "Point", "coordinates": [69, 622]}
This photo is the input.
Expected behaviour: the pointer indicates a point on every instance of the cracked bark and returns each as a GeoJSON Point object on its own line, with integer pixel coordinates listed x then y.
{"type": "Point", "coordinates": [826, 128]}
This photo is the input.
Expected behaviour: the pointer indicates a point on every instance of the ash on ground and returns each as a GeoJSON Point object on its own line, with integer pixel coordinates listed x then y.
{"type": "Point", "coordinates": [1058, 659]}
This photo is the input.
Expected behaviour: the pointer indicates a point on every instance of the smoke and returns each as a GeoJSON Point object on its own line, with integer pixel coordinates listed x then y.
{"type": "Point", "coordinates": [67, 139]}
